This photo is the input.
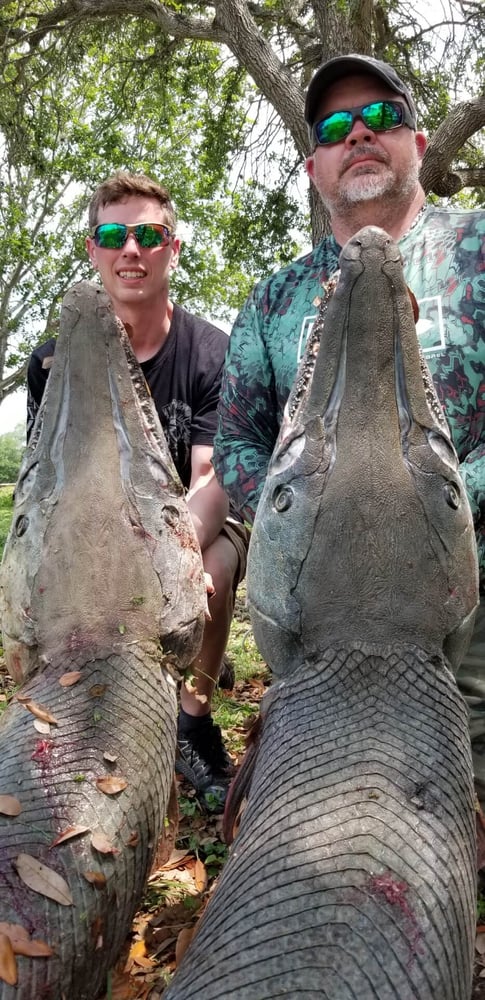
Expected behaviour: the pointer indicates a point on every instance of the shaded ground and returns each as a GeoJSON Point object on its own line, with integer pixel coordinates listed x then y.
{"type": "Point", "coordinates": [190, 860]}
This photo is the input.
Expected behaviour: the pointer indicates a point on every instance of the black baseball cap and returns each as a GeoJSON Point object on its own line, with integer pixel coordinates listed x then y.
{"type": "Point", "coordinates": [341, 66]}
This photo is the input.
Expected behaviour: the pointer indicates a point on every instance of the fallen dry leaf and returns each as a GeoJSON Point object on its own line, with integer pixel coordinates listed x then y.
{"type": "Point", "coordinates": [9, 805]}
{"type": "Point", "coordinates": [68, 834]}
{"type": "Point", "coordinates": [144, 963]}
{"type": "Point", "coordinates": [42, 879]}
{"type": "Point", "coordinates": [138, 949]}
{"type": "Point", "coordinates": [22, 943]}
{"type": "Point", "coordinates": [257, 685]}
{"type": "Point", "coordinates": [110, 757]}
{"type": "Point", "coordinates": [176, 860]}
{"type": "Point", "coordinates": [72, 677]}
{"type": "Point", "coordinates": [95, 878]}
{"type": "Point", "coordinates": [97, 690]}
{"type": "Point", "coordinates": [40, 711]}
{"type": "Point", "coordinates": [97, 929]}
{"type": "Point", "coordinates": [8, 962]}
{"type": "Point", "coordinates": [42, 727]}
{"type": "Point", "coordinates": [200, 876]}
{"type": "Point", "coordinates": [111, 785]}
{"type": "Point", "coordinates": [101, 843]}
{"type": "Point", "coordinates": [126, 987]}
{"type": "Point", "coordinates": [134, 839]}
{"type": "Point", "coordinates": [183, 940]}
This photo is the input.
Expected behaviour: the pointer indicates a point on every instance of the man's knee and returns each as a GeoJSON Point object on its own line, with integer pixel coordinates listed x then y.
{"type": "Point", "coordinates": [220, 560]}
{"type": "Point", "coordinates": [225, 558]}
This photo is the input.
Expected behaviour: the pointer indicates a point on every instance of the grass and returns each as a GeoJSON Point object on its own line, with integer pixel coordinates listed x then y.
{"type": "Point", "coordinates": [6, 511]}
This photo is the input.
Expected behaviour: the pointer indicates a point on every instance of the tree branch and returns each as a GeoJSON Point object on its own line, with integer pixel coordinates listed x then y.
{"type": "Point", "coordinates": [463, 121]}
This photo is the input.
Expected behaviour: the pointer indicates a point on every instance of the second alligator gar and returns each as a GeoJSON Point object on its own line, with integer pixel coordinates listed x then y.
{"type": "Point", "coordinates": [353, 874]}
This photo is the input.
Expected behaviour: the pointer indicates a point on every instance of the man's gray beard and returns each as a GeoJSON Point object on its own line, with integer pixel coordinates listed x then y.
{"type": "Point", "coordinates": [366, 188]}
{"type": "Point", "coordinates": [370, 187]}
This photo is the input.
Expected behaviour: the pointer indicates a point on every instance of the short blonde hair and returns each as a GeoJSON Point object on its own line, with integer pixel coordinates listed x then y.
{"type": "Point", "coordinates": [124, 184]}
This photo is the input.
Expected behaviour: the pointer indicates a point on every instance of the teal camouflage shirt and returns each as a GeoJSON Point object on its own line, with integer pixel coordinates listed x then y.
{"type": "Point", "coordinates": [444, 265]}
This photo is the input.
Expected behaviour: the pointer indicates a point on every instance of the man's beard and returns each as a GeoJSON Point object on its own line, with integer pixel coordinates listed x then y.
{"type": "Point", "coordinates": [358, 188]}
{"type": "Point", "coordinates": [365, 187]}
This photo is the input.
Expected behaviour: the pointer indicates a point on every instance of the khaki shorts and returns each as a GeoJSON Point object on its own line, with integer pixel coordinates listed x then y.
{"type": "Point", "coordinates": [239, 535]}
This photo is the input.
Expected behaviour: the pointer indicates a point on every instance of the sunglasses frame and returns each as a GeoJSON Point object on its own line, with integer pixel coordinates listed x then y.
{"type": "Point", "coordinates": [158, 226]}
{"type": "Point", "coordinates": [407, 119]}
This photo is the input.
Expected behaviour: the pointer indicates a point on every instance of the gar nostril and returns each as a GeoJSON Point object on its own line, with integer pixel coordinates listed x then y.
{"type": "Point", "coordinates": [282, 498]}
{"type": "Point", "coordinates": [452, 495]}
{"type": "Point", "coordinates": [21, 525]}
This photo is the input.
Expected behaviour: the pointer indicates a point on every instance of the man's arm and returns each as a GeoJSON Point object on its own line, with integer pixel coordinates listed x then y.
{"type": "Point", "coordinates": [38, 369]}
{"type": "Point", "coordinates": [207, 502]}
{"type": "Point", "coordinates": [247, 411]}
{"type": "Point", "coordinates": [472, 471]}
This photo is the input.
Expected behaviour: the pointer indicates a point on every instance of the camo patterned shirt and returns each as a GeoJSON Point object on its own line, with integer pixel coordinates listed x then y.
{"type": "Point", "coordinates": [444, 265]}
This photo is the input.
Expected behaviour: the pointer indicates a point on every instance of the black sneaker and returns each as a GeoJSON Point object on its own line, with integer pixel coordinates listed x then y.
{"type": "Point", "coordinates": [204, 762]}
{"type": "Point", "coordinates": [227, 676]}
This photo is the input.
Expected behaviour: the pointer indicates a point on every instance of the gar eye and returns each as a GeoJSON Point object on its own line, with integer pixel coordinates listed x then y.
{"type": "Point", "coordinates": [21, 525]}
{"type": "Point", "coordinates": [452, 495]}
{"type": "Point", "coordinates": [282, 498]}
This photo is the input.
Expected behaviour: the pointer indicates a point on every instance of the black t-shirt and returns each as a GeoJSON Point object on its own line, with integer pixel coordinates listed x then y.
{"type": "Point", "coordinates": [184, 378]}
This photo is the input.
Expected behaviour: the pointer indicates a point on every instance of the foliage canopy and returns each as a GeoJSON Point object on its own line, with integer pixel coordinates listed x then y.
{"type": "Point", "coordinates": [208, 98]}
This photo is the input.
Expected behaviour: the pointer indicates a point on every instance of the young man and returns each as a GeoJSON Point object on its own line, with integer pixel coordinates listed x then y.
{"type": "Point", "coordinates": [134, 248]}
{"type": "Point", "coordinates": [365, 166]}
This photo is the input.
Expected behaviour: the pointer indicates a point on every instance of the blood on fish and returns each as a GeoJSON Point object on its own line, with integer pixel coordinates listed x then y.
{"type": "Point", "coordinates": [43, 750]}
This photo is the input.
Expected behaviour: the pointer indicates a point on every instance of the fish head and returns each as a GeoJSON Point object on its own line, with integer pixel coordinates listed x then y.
{"type": "Point", "coordinates": [364, 532]}
{"type": "Point", "coordinates": [102, 550]}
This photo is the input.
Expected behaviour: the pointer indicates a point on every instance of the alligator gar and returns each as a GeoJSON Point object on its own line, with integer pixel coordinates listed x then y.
{"type": "Point", "coordinates": [102, 600]}
{"type": "Point", "coordinates": [353, 874]}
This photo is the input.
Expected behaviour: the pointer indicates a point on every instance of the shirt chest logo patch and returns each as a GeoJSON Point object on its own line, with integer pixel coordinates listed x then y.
{"type": "Point", "coordinates": [430, 327]}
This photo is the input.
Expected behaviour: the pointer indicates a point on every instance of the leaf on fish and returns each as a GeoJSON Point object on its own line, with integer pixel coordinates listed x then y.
{"type": "Point", "coordinates": [95, 878]}
{"type": "Point", "coordinates": [68, 834]}
{"type": "Point", "coordinates": [23, 944]}
{"type": "Point", "coordinates": [101, 843]}
{"type": "Point", "coordinates": [9, 805]}
{"type": "Point", "coordinates": [97, 933]}
{"type": "Point", "coordinates": [111, 785]}
{"type": "Point", "coordinates": [42, 727]}
{"type": "Point", "coordinates": [110, 757]}
{"type": "Point", "coordinates": [97, 690]}
{"type": "Point", "coordinates": [42, 879]}
{"type": "Point", "coordinates": [8, 962]}
{"type": "Point", "coordinates": [40, 711]}
{"type": "Point", "coordinates": [72, 677]}
{"type": "Point", "coordinates": [134, 838]}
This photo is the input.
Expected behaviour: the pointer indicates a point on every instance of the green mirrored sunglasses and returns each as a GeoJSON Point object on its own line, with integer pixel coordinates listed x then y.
{"type": "Point", "coordinates": [113, 235]}
{"type": "Point", "coordinates": [380, 116]}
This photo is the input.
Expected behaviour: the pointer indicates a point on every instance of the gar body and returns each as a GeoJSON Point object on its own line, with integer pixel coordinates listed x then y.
{"type": "Point", "coordinates": [102, 599]}
{"type": "Point", "coordinates": [352, 876]}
